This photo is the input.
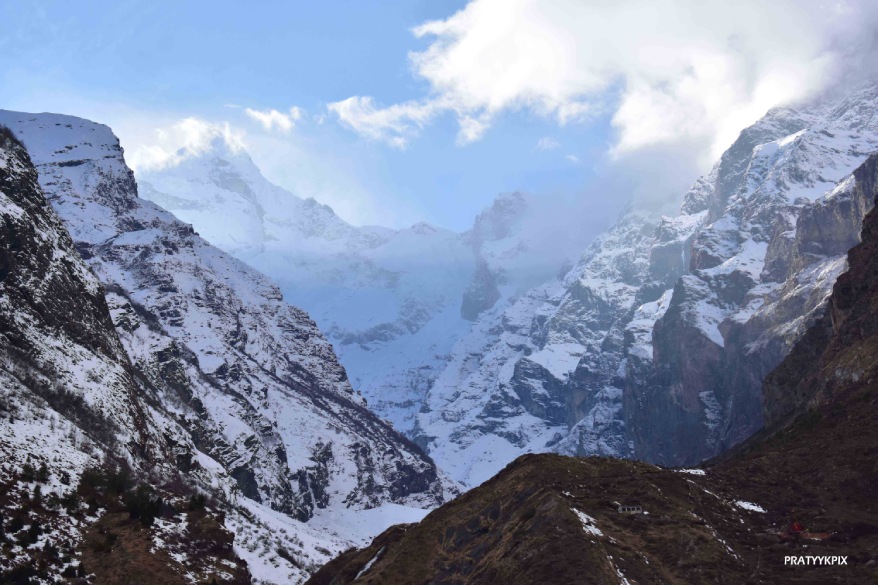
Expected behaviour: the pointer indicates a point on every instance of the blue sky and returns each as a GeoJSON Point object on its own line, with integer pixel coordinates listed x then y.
{"type": "Point", "coordinates": [553, 97]}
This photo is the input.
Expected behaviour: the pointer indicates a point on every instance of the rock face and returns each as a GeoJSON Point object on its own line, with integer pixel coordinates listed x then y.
{"type": "Point", "coordinates": [836, 356]}
{"type": "Point", "coordinates": [777, 216]}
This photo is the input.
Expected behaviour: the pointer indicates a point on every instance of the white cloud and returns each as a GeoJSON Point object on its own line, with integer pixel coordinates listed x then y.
{"type": "Point", "coordinates": [547, 143]}
{"type": "Point", "coordinates": [300, 162]}
{"type": "Point", "coordinates": [393, 125]}
{"type": "Point", "coordinates": [187, 137]}
{"type": "Point", "coordinates": [665, 70]}
{"type": "Point", "coordinates": [273, 118]}
{"type": "Point", "coordinates": [572, 158]}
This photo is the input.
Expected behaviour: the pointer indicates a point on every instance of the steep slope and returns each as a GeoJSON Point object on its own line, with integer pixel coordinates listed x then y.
{"type": "Point", "coordinates": [553, 519]}
{"type": "Point", "coordinates": [73, 407]}
{"type": "Point", "coordinates": [45, 284]}
{"type": "Point", "coordinates": [252, 381]}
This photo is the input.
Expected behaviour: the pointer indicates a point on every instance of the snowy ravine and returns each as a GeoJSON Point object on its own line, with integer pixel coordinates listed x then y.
{"type": "Point", "coordinates": [392, 302]}
{"type": "Point", "coordinates": [248, 379]}
{"type": "Point", "coordinates": [540, 371]}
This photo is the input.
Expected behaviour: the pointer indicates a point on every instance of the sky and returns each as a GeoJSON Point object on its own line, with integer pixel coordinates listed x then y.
{"type": "Point", "coordinates": [416, 110]}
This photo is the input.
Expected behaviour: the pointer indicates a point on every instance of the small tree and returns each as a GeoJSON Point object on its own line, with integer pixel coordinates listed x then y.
{"type": "Point", "coordinates": [140, 504]}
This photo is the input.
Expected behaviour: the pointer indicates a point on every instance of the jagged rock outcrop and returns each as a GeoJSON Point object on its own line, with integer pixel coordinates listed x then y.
{"type": "Point", "coordinates": [776, 225]}
{"type": "Point", "coordinates": [836, 355]}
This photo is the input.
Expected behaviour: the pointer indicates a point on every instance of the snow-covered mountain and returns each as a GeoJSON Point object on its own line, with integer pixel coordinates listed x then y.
{"type": "Point", "coordinates": [541, 371]}
{"type": "Point", "coordinates": [393, 302]}
{"type": "Point", "coordinates": [72, 404]}
{"type": "Point", "coordinates": [655, 345]}
{"type": "Point", "coordinates": [774, 220]}
{"type": "Point", "coordinates": [255, 390]}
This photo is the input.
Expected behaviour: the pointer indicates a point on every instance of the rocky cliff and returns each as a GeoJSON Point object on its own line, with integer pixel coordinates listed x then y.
{"type": "Point", "coordinates": [777, 217]}
{"type": "Point", "coordinates": [836, 356]}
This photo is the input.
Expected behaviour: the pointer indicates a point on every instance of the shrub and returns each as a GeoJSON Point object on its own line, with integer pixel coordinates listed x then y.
{"type": "Point", "coordinates": [30, 536]}
{"type": "Point", "coordinates": [196, 502]}
{"type": "Point", "coordinates": [141, 504]}
{"type": "Point", "coordinates": [27, 472]}
{"type": "Point", "coordinates": [42, 475]}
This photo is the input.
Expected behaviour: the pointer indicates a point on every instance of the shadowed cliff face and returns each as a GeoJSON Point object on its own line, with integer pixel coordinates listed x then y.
{"type": "Point", "coordinates": [552, 519]}
{"type": "Point", "coordinates": [838, 353]}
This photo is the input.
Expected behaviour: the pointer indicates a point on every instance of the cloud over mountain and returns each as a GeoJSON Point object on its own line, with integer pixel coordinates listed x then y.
{"type": "Point", "coordinates": [665, 71]}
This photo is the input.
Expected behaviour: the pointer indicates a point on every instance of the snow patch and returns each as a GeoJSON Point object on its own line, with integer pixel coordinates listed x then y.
{"type": "Point", "coordinates": [588, 523]}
